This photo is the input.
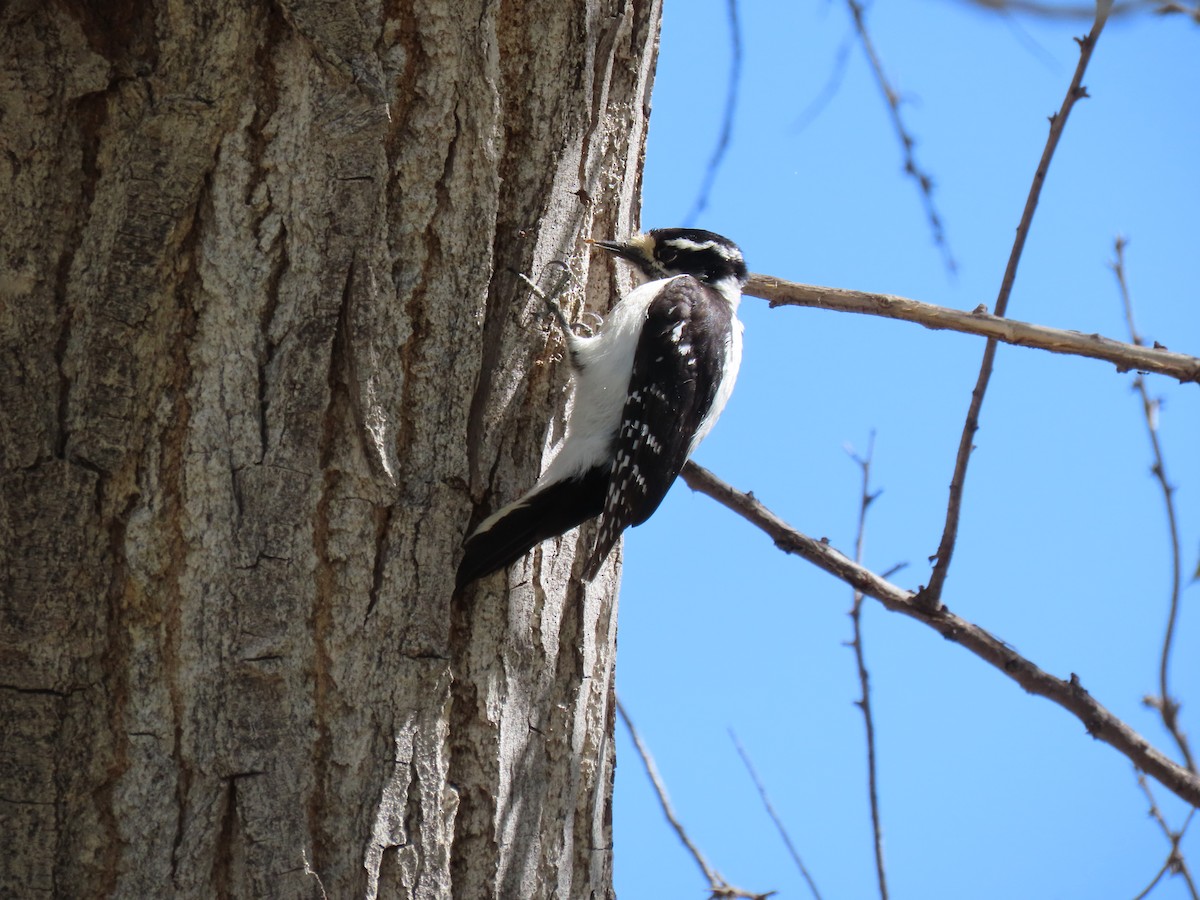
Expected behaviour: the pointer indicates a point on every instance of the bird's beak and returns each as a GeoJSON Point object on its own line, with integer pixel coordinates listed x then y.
{"type": "Point", "coordinates": [619, 248]}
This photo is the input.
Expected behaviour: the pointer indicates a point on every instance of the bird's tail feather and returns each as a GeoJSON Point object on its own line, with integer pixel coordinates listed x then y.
{"type": "Point", "coordinates": [547, 512]}
{"type": "Point", "coordinates": [605, 541]}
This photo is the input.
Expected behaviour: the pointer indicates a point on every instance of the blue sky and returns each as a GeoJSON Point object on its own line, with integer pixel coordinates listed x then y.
{"type": "Point", "coordinates": [985, 790]}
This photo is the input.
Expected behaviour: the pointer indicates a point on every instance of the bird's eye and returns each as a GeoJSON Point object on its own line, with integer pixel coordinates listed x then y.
{"type": "Point", "coordinates": [668, 255]}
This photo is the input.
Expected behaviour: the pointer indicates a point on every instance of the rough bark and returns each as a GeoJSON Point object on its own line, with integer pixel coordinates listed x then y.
{"type": "Point", "coordinates": [264, 358]}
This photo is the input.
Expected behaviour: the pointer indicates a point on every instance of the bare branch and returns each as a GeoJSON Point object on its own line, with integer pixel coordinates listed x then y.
{"type": "Point", "coordinates": [931, 596]}
{"type": "Point", "coordinates": [1166, 705]}
{"type": "Point", "coordinates": [837, 72]}
{"type": "Point", "coordinates": [1191, 10]}
{"type": "Point", "coordinates": [1045, 10]}
{"type": "Point", "coordinates": [864, 678]}
{"type": "Point", "coordinates": [1125, 357]}
{"type": "Point", "coordinates": [717, 885]}
{"type": "Point", "coordinates": [1175, 863]}
{"type": "Point", "coordinates": [762, 792]}
{"type": "Point", "coordinates": [1145, 892]}
{"type": "Point", "coordinates": [731, 97]}
{"type": "Point", "coordinates": [907, 142]}
{"type": "Point", "coordinates": [1069, 694]}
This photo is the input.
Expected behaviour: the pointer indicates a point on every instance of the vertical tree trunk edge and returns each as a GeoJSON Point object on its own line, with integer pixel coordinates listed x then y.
{"type": "Point", "coordinates": [265, 358]}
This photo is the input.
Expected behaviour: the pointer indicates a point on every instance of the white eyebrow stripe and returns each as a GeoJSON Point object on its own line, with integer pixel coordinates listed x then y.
{"type": "Point", "coordinates": [689, 244]}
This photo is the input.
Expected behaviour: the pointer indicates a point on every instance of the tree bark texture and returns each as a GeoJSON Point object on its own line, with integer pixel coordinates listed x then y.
{"type": "Point", "coordinates": [264, 358]}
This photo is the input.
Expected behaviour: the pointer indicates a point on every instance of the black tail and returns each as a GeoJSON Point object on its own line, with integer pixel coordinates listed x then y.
{"type": "Point", "coordinates": [605, 541]}
{"type": "Point", "coordinates": [506, 536]}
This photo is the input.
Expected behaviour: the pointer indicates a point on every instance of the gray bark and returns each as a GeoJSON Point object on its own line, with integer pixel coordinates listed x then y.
{"type": "Point", "coordinates": [263, 359]}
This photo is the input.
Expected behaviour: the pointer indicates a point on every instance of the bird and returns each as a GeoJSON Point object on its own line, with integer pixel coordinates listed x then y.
{"type": "Point", "coordinates": [649, 386]}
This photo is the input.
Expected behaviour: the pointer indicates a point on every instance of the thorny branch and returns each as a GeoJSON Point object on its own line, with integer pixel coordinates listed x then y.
{"type": "Point", "coordinates": [1125, 357]}
{"type": "Point", "coordinates": [720, 888]}
{"type": "Point", "coordinates": [930, 596]}
{"type": "Point", "coordinates": [1067, 693]}
{"type": "Point", "coordinates": [1166, 705]}
{"type": "Point", "coordinates": [864, 678]}
{"type": "Point", "coordinates": [787, 838]}
{"type": "Point", "coordinates": [907, 142]}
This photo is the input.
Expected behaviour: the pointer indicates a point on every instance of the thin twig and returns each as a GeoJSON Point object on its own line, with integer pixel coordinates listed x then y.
{"type": "Point", "coordinates": [731, 98]}
{"type": "Point", "coordinates": [1179, 862]}
{"type": "Point", "coordinates": [716, 884]}
{"type": "Point", "coordinates": [1167, 706]}
{"type": "Point", "coordinates": [1191, 10]}
{"type": "Point", "coordinates": [931, 596]}
{"type": "Point", "coordinates": [1145, 892]}
{"type": "Point", "coordinates": [1069, 694]}
{"type": "Point", "coordinates": [907, 142]}
{"type": "Point", "coordinates": [762, 792]}
{"type": "Point", "coordinates": [1175, 863]}
{"type": "Point", "coordinates": [1044, 10]}
{"type": "Point", "coordinates": [837, 72]}
{"type": "Point", "coordinates": [1125, 357]}
{"type": "Point", "coordinates": [864, 678]}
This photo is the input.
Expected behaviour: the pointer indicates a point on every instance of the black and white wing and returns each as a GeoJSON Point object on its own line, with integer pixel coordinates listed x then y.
{"type": "Point", "coordinates": [681, 358]}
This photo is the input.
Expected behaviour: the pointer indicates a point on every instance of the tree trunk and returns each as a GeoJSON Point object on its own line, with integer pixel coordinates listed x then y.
{"type": "Point", "coordinates": [265, 358]}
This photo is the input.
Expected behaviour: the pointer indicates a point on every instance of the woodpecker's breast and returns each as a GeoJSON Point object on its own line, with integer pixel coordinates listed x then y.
{"type": "Point", "coordinates": [603, 365]}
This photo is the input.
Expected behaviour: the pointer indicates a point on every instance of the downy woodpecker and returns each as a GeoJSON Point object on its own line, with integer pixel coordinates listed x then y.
{"type": "Point", "coordinates": [648, 388]}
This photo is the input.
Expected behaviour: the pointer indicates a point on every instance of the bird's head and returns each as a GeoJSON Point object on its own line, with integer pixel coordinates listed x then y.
{"type": "Point", "coordinates": [663, 252]}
